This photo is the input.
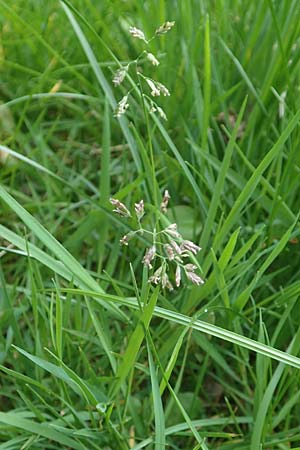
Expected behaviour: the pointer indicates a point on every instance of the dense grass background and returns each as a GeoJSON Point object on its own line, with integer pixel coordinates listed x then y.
{"type": "Point", "coordinates": [83, 364]}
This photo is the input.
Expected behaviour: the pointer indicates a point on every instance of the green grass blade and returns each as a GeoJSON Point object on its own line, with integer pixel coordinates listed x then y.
{"type": "Point", "coordinates": [203, 327]}
{"type": "Point", "coordinates": [134, 343]}
{"type": "Point", "coordinates": [45, 430]}
{"type": "Point", "coordinates": [160, 438]}
{"type": "Point", "coordinates": [78, 272]}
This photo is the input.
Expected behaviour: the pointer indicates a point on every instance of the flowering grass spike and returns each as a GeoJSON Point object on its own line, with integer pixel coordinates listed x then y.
{"type": "Point", "coordinates": [168, 254]}
{"type": "Point", "coordinates": [156, 88]}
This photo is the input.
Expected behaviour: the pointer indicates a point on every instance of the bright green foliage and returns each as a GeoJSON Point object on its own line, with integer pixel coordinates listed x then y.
{"type": "Point", "coordinates": [92, 356]}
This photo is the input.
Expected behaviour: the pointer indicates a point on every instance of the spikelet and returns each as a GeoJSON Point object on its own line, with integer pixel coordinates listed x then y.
{"type": "Point", "coordinates": [152, 59]}
{"type": "Point", "coordinates": [137, 33]}
{"type": "Point", "coordinates": [119, 76]}
{"type": "Point", "coordinates": [121, 107]}
{"type": "Point", "coordinates": [164, 28]}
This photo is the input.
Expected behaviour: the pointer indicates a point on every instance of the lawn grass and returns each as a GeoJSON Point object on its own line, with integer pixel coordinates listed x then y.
{"type": "Point", "coordinates": [93, 356]}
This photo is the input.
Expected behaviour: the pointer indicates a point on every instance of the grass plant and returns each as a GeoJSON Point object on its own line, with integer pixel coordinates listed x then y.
{"type": "Point", "coordinates": [92, 355]}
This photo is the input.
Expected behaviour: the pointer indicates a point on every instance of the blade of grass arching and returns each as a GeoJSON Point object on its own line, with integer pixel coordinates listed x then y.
{"type": "Point", "coordinates": [254, 181]}
{"type": "Point", "coordinates": [244, 296]}
{"type": "Point", "coordinates": [23, 378]}
{"type": "Point", "coordinates": [207, 86]}
{"type": "Point", "coordinates": [78, 272]}
{"type": "Point", "coordinates": [182, 164]}
{"type": "Point", "coordinates": [160, 437]}
{"type": "Point", "coordinates": [201, 423]}
{"type": "Point", "coordinates": [45, 430]}
{"type": "Point", "coordinates": [34, 252]}
{"type": "Point", "coordinates": [102, 81]}
{"type": "Point", "coordinates": [216, 198]}
{"type": "Point", "coordinates": [65, 374]}
{"type": "Point", "coordinates": [134, 344]}
{"type": "Point", "coordinates": [49, 95]}
{"type": "Point", "coordinates": [29, 161]}
{"type": "Point", "coordinates": [261, 415]}
{"type": "Point", "coordinates": [201, 326]}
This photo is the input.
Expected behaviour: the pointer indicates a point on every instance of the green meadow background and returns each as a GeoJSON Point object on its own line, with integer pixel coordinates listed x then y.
{"type": "Point", "coordinates": [91, 355]}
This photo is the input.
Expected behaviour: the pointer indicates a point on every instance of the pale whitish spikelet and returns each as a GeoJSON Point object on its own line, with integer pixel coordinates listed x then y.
{"type": "Point", "coordinates": [172, 230]}
{"type": "Point", "coordinates": [282, 105]}
{"type": "Point", "coordinates": [176, 247]}
{"type": "Point", "coordinates": [190, 246]}
{"type": "Point", "coordinates": [126, 238]}
{"type": "Point", "coordinates": [190, 267]}
{"type": "Point", "coordinates": [194, 278]}
{"type": "Point", "coordinates": [120, 208]}
{"type": "Point", "coordinates": [119, 76]}
{"type": "Point", "coordinates": [178, 276]}
{"type": "Point", "coordinates": [161, 113]}
{"type": "Point", "coordinates": [159, 110]}
{"type": "Point", "coordinates": [121, 106]}
{"type": "Point", "coordinates": [169, 251]}
{"type": "Point", "coordinates": [165, 27]}
{"type": "Point", "coordinates": [165, 201]}
{"type": "Point", "coordinates": [155, 278]}
{"type": "Point", "coordinates": [139, 209]}
{"type": "Point", "coordinates": [162, 89]}
{"type": "Point", "coordinates": [152, 59]}
{"type": "Point", "coordinates": [149, 256]}
{"type": "Point", "coordinates": [165, 282]}
{"type": "Point", "coordinates": [137, 33]}
{"type": "Point", "coordinates": [155, 92]}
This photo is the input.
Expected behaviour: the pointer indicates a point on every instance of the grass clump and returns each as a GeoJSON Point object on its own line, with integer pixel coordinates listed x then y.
{"type": "Point", "coordinates": [92, 354]}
